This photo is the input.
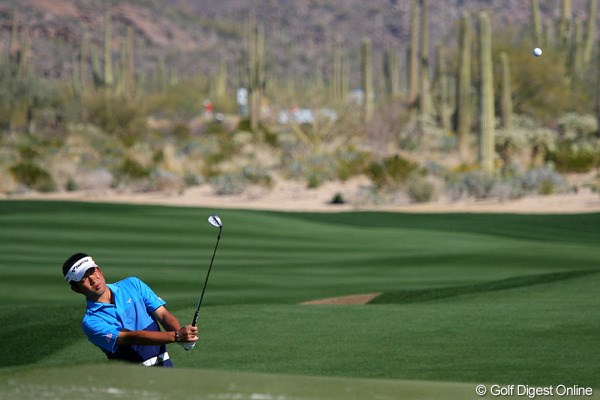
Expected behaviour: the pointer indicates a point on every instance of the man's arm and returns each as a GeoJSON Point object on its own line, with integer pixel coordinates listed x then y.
{"type": "Point", "coordinates": [146, 338]}
{"type": "Point", "coordinates": [169, 322]}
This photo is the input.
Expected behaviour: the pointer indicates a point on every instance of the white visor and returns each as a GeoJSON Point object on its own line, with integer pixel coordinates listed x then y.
{"type": "Point", "coordinates": [77, 271]}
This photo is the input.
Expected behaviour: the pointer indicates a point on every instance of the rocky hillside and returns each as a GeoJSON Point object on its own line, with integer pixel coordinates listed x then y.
{"type": "Point", "coordinates": [195, 35]}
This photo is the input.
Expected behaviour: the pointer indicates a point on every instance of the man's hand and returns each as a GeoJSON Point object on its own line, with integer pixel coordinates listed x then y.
{"type": "Point", "coordinates": [187, 337]}
{"type": "Point", "coordinates": [188, 333]}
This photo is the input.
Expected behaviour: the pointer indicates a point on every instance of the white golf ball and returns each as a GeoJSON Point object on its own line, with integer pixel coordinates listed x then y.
{"type": "Point", "coordinates": [537, 52]}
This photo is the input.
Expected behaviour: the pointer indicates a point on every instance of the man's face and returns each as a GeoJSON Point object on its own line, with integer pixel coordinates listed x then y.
{"type": "Point", "coordinates": [93, 284]}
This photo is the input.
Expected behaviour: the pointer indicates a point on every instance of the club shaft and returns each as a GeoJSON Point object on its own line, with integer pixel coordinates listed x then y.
{"type": "Point", "coordinates": [195, 320]}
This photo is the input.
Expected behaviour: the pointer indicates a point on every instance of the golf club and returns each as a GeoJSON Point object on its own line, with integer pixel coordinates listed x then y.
{"type": "Point", "coordinates": [214, 220]}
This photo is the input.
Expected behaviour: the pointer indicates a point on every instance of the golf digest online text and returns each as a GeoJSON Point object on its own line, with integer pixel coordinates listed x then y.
{"type": "Point", "coordinates": [534, 391]}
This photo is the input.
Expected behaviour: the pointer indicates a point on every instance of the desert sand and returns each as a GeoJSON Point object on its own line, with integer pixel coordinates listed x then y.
{"type": "Point", "coordinates": [294, 196]}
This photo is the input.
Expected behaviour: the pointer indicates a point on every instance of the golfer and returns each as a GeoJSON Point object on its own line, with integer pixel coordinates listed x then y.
{"type": "Point", "coordinates": [122, 318]}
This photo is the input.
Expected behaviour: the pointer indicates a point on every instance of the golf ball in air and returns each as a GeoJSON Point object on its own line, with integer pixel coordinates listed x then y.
{"type": "Point", "coordinates": [537, 52]}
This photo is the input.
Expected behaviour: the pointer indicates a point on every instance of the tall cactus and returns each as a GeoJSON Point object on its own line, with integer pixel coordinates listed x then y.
{"type": "Point", "coordinates": [84, 56]}
{"type": "Point", "coordinates": [162, 75]}
{"type": "Point", "coordinates": [536, 22]}
{"type": "Point", "coordinates": [463, 92]}
{"type": "Point", "coordinates": [129, 65]}
{"type": "Point", "coordinates": [391, 73]}
{"type": "Point", "coordinates": [591, 32]}
{"type": "Point", "coordinates": [256, 81]}
{"type": "Point", "coordinates": [506, 104]}
{"type": "Point", "coordinates": [424, 82]}
{"type": "Point", "coordinates": [577, 52]}
{"type": "Point", "coordinates": [25, 66]}
{"type": "Point", "coordinates": [441, 88]}
{"type": "Point", "coordinates": [97, 75]}
{"type": "Point", "coordinates": [564, 24]}
{"type": "Point", "coordinates": [220, 90]}
{"type": "Point", "coordinates": [108, 72]}
{"type": "Point", "coordinates": [366, 79]}
{"type": "Point", "coordinates": [336, 73]}
{"type": "Point", "coordinates": [413, 68]}
{"type": "Point", "coordinates": [14, 39]}
{"type": "Point", "coordinates": [486, 123]}
{"type": "Point", "coordinates": [549, 34]}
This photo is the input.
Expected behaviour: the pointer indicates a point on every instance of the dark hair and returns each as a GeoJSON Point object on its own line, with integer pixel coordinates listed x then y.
{"type": "Point", "coordinates": [72, 260]}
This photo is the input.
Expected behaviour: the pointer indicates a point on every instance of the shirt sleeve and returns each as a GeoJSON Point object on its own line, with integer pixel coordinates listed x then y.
{"type": "Point", "coordinates": [151, 300]}
{"type": "Point", "coordinates": [101, 333]}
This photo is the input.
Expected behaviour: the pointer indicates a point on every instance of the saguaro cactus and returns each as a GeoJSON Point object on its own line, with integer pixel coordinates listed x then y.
{"type": "Point", "coordinates": [564, 24]}
{"type": "Point", "coordinates": [413, 68]}
{"type": "Point", "coordinates": [25, 66]}
{"type": "Point", "coordinates": [536, 22]}
{"type": "Point", "coordinates": [14, 39]}
{"type": "Point", "coordinates": [129, 70]}
{"type": "Point", "coordinates": [591, 31]}
{"type": "Point", "coordinates": [367, 79]}
{"type": "Point", "coordinates": [256, 74]}
{"type": "Point", "coordinates": [108, 73]}
{"type": "Point", "coordinates": [486, 123]}
{"type": "Point", "coordinates": [336, 73]}
{"type": "Point", "coordinates": [506, 103]}
{"type": "Point", "coordinates": [463, 92]}
{"type": "Point", "coordinates": [424, 82]}
{"type": "Point", "coordinates": [441, 88]}
{"type": "Point", "coordinates": [549, 34]}
{"type": "Point", "coordinates": [391, 73]}
{"type": "Point", "coordinates": [84, 56]}
{"type": "Point", "coordinates": [577, 52]}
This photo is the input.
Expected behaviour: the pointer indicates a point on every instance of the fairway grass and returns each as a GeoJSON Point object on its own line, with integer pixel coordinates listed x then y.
{"type": "Point", "coordinates": [467, 299]}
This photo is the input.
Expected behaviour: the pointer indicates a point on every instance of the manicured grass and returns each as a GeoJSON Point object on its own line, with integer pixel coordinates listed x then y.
{"type": "Point", "coordinates": [106, 382]}
{"type": "Point", "coordinates": [466, 297]}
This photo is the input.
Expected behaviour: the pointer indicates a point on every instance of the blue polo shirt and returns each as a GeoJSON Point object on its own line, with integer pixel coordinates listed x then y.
{"type": "Point", "coordinates": [131, 309]}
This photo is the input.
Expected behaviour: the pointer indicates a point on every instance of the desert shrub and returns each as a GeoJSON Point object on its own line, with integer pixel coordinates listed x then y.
{"type": "Point", "coordinates": [571, 158]}
{"type": "Point", "coordinates": [541, 181]}
{"type": "Point", "coordinates": [541, 141]}
{"type": "Point", "coordinates": [225, 149]}
{"type": "Point", "coordinates": [391, 171]}
{"type": "Point", "coordinates": [508, 143]}
{"type": "Point", "coordinates": [131, 169]}
{"type": "Point", "coordinates": [315, 169]}
{"type": "Point", "coordinates": [228, 184]}
{"type": "Point", "coordinates": [33, 176]}
{"type": "Point", "coordinates": [71, 185]}
{"type": "Point", "coordinates": [351, 162]}
{"type": "Point", "coordinates": [338, 198]}
{"type": "Point", "coordinates": [420, 189]}
{"type": "Point", "coordinates": [574, 127]}
{"type": "Point", "coordinates": [117, 116]}
{"type": "Point", "coordinates": [191, 179]}
{"type": "Point", "coordinates": [235, 182]}
{"type": "Point", "coordinates": [257, 175]}
{"type": "Point", "coordinates": [537, 91]}
{"type": "Point", "coordinates": [477, 184]}
{"type": "Point", "coordinates": [181, 131]}
{"type": "Point", "coordinates": [161, 180]}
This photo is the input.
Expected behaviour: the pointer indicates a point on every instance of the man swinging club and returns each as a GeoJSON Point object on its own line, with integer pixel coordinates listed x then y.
{"type": "Point", "coordinates": [123, 318]}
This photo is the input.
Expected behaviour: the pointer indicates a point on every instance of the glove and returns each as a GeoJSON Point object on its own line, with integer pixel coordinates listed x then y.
{"type": "Point", "coordinates": [187, 345]}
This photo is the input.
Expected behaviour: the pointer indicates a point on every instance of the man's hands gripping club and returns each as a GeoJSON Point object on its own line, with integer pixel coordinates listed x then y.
{"type": "Point", "coordinates": [187, 336]}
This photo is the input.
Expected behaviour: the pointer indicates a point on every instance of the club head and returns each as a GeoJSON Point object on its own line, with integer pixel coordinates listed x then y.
{"type": "Point", "coordinates": [214, 220]}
